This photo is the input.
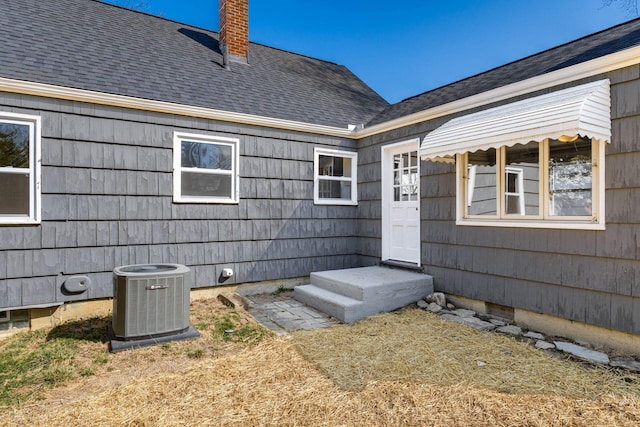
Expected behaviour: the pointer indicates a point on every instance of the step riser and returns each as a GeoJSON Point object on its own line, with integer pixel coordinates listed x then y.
{"type": "Point", "coordinates": [354, 294]}
{"type": "Point", "coordinates": [324, 304]}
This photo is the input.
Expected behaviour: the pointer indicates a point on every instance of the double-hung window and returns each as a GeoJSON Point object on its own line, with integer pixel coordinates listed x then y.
{"type": "Point", "coordinates": [205, 169]}
{"type": "Point", "coordinates": [335, 177]}
{"type": "Point", "coordinates": [19, 169]}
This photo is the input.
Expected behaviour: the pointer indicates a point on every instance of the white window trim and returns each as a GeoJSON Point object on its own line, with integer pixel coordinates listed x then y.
{"type": "Point", "coordinates": [317, 152]}
{"type": "Point", "coordinates": [178, 138]}
{"type": "Point", "coordinates": [594, 222]}
{"type": "Point", "coordinates": [519, 193]}
{"type": "Point", "coordinates": [35, 193]}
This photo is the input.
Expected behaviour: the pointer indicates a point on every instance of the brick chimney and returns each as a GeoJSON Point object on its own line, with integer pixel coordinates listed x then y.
{"type": "Point", "coordinates": [234, 30]}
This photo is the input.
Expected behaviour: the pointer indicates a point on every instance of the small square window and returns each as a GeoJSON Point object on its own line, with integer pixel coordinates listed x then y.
{"type": "Point", "coordinates": [19, 169]}
{"type": "Point", "coordinates": [335, 177]}
{"type": "Point", "coordinates": [205, 169]}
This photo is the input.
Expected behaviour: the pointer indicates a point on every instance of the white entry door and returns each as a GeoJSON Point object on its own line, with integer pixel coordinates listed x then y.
{"type": "Point", "coordinates": [401, 202]}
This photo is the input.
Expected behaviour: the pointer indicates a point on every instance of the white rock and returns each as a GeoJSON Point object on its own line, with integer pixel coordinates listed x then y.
{"type": "Point", "coordinates": [510, 329]}
{"type": "Point", "coordinates": [450, 306]}
{"type": "Point", "coordinates": [481, 363]}
{"type": "Point", "coordinates": [534, 335]}
{"type": "Point", "coordinates": [543, 345]}
{"type": "Point", "coordinates": [462, 312]}
{"type": "Point", "coordinates": [423, 304]}
{"type": "Point", "coordinates": [582, 352]}
{"type": "Point", "coordinates": [438, 298]}
{"type": "Point", "coordinates": [434, 308]}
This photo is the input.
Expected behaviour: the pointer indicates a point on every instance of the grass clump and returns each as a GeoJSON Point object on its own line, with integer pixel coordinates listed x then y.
{"type": "Point", "coordinates": [33, 362]}
{"type": "Point", "coordinates": [30, 362]}
{"type": "Point", "coordinates": [229, 325]}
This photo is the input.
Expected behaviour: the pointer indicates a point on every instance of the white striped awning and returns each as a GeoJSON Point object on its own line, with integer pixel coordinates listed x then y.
{"type": "Point", "coordinates": [565, 114]}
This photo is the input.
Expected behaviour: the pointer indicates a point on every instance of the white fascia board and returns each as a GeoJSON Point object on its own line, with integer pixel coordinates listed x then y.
{"type": "Point", "coordinates": [583, 70]}
{"type": "Point", "coordinates": [82, 95]}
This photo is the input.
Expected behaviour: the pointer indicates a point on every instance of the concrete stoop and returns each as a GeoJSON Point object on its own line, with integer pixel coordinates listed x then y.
{"type": "Point", "coordinates": [356, 293]}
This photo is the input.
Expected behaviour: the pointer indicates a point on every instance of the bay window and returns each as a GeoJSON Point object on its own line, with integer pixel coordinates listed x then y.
{"type": "Point", "coordinates": [536, 162]}
{"type": "Point", "coordinates": [536, 184]}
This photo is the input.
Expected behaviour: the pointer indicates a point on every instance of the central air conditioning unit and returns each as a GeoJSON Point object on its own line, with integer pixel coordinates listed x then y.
{"type": "Point", "coordinates": [150, 305]}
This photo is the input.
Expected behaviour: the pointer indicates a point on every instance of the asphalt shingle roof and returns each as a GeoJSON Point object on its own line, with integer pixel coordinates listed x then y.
{"type": "Point", "coordinates": [605, 42]}
{"type": "Point", "coordinates": [87, 44]}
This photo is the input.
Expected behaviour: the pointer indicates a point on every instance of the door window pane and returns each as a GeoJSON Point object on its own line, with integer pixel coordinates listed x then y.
{"type": "Point", "coordinates": [405, 177]}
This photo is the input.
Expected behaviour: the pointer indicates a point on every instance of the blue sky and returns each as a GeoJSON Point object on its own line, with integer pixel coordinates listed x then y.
{"type": "Point", "coordinates": [407, 47]}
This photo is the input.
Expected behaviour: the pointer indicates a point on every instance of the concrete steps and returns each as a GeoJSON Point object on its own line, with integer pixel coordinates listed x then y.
{"type": "Point", "coordinates": [356, 293]}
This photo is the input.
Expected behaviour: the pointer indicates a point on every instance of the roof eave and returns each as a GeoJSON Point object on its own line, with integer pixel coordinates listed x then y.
{"type": "Point", "coordinates": [583, 70]}
{"type": "Point", "coordinates": [82, 95]}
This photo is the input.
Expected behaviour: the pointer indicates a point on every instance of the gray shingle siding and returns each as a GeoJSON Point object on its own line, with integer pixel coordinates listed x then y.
{"type": "Point", "coordinates": [581, 275]}
{"type": "Point", "coordinates": [107, 200]}
{"type": "Point", "coordinates": [107, 197]}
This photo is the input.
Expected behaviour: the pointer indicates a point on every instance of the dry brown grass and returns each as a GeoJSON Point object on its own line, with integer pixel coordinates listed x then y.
{"type": "Point", "coordinates": [406, 368]}
{"type": "Point", "coordinates": [414, 345]}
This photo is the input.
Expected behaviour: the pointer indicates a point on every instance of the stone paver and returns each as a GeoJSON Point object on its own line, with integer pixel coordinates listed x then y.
{"type": "Point", "coordinates": [584, 353]}
{"type": "Point", "coordinates": [619, 362]}
{"type": "Point", "coordinates": [534, 335]}
{"type": "Point", "coordinates": [510, 329]}
{"type": "Point", "coordinates": [474, 322]}
{"type": "Point", "coordinates": [543, 345]}
{"type": "Point", "coordinates": [463, 312]}
{"type": "Point", "coordinates": [282, 314]}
